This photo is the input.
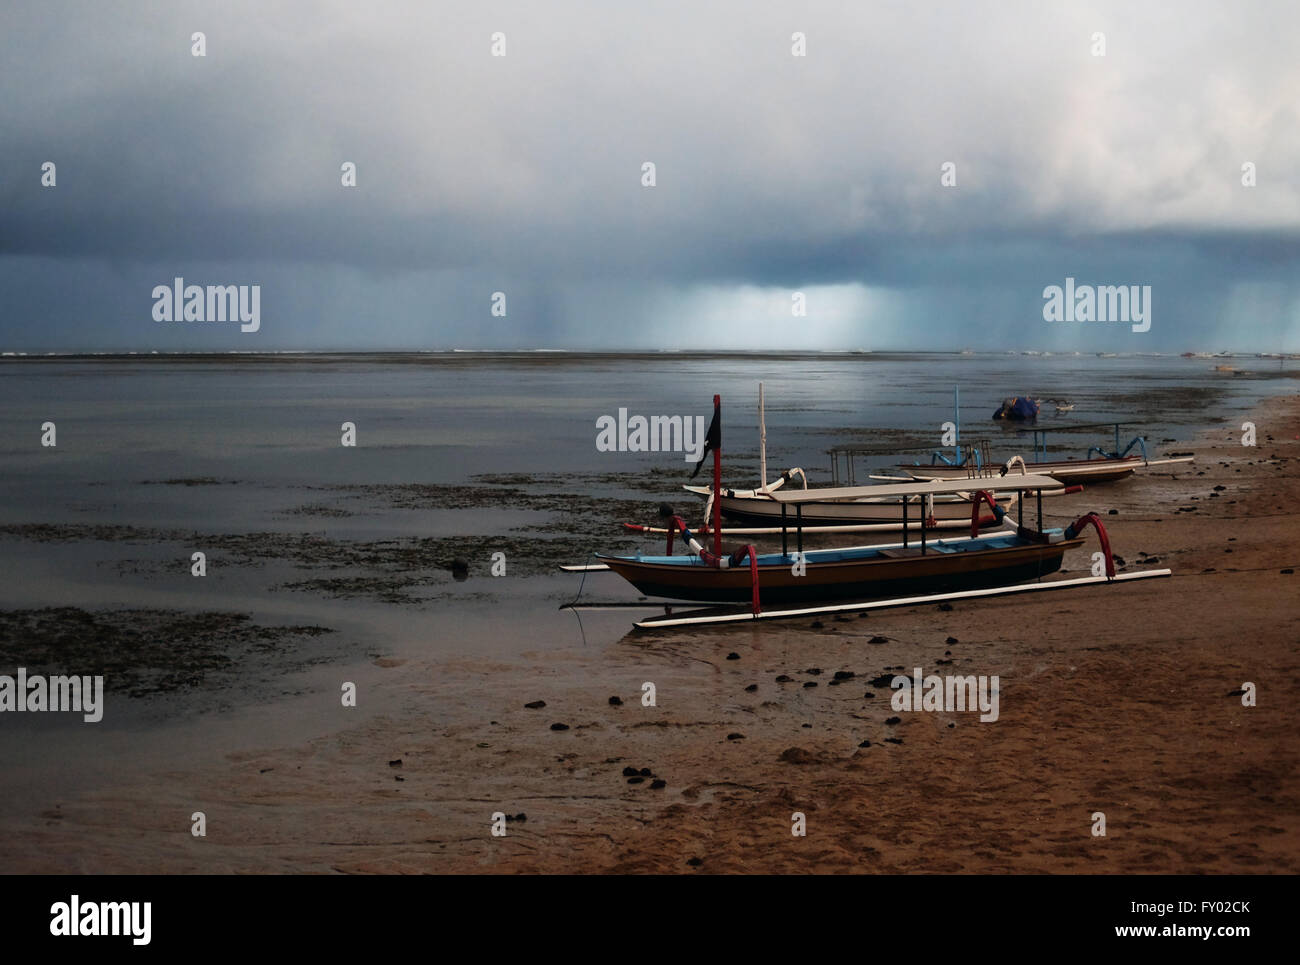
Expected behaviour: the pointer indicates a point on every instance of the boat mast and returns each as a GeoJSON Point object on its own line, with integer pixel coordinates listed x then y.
{"type": "Point", "coordinates": [717, 480]}
{"type": "Point", "coordinates": [762, 441]}
{"type": "Point", "coordinates": [956, 421]}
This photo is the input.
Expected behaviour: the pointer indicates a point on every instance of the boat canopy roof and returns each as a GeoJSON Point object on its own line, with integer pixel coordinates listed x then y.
{"type": "Point", "coordinates": [1007, 483]}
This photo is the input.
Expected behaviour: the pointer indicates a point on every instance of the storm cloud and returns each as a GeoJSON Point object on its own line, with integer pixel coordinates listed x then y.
{"type": "Point", "coordinates": [774, 173]}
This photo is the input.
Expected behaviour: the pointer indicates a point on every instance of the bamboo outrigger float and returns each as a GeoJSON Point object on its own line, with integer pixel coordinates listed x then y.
{"type": "Point", "coordinates": [912, 571]}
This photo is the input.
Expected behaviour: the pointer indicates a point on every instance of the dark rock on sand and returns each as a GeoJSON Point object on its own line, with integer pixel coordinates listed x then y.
{"type": "Point", "coordinates": [735, 737]}
{"type": "Point", "coordinates": [733, 656]}
{"type": "Point", "coordinates": [630, 772]}
{"type": "Point", "coordinates": [751, 688]}
{"type": "Point", "coordinates": [535, 704]}
{"type": "Point", "coordinates": [658, 784]}
{"type": "Point", "coordinates": [559, 727]}
{"type": "Point", "coordinates": [893, 720]}
{"type": "Point", "coordinates": [616, 702]}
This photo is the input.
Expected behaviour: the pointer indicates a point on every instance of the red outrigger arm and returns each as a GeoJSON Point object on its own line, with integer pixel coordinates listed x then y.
{"type": "Point", "coordinates": [998, 512]}
{"type": "Point", "coordinates": [1075, 528]}
{"type": "Point", "coordinates": [674, 524]}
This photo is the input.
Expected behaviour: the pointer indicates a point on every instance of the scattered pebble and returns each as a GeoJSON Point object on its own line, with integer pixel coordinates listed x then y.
{"type": "Point", "coordinates": [782, 679]}
{"type": "Point", "coordinates": [616, 702]}
{"type": "Point", "coordinates": [809, 683]}
{"type": "Point", "coordinates": [878, 639]}
{"type": "Point", "coordinates": [535, 704]}
{"type": "Point", "coordinates": [559, 727]}
{"type": "Point", "coordinates": [865, 744]}
{"type": "Point", "coordinates": [630, 772]}
{"type": "Point", "coordinates": [735, 737]}
{"type": "Point", "coordinates": [658, 784]}
{"type": "Point", "coordinates": [893, 720]}
{"type": "Point", "coordinates": [396, 763]}
{"type": "Point", "coordinates": [733, 656]}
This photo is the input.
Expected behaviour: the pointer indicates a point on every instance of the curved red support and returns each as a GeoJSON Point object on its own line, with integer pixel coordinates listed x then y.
{"type": "Point", "coordinates": [675, 523]}
{"type": "Point", "coordinates": [1075, 528]}
{"type": "Point", "coordinates": [737, 558]}
{"type": "Point", "coordinates": [985, 496]}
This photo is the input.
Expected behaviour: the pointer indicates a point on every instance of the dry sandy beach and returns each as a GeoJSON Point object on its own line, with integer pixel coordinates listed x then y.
{"type": "Point", "coordinates": [1115, 699]}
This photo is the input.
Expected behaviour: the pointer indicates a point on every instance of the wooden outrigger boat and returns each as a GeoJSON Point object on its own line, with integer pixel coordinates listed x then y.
{"type": "Point", "coordinates": [1105, 466]}
{"type": "Point", "coordinates": [925, 566]}
{"type": "Point", "coordinates": [1096, 470]}
{"type": "Point", "coordinates": [969, 565]}
{"type": "Point", "coordinates": [875, 510]}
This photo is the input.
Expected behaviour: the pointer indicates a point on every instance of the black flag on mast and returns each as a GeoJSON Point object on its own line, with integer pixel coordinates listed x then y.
{"type": "Point", "coordinates": [712, 439]}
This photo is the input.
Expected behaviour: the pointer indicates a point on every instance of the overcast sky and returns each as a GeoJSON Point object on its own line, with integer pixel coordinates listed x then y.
{"type": "Point", "coordinates": [523, 174]}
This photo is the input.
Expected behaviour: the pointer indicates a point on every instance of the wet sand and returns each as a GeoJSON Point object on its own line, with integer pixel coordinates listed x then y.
{"type": "Point", "coordinates": [1115, 699]}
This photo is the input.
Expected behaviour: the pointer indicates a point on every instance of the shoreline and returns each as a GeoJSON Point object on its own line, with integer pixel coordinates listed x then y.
{"type": "Point", "coordinates": [1114, 699]}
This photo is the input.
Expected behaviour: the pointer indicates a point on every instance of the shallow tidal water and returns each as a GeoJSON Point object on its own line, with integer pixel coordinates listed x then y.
{"type": "Point", "coordinates": [328, 557]}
